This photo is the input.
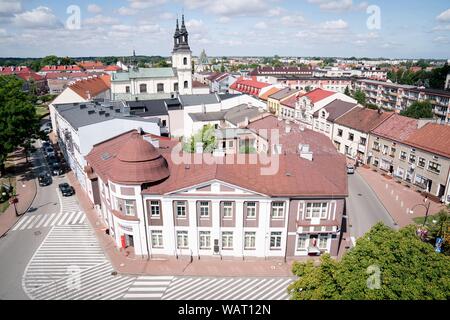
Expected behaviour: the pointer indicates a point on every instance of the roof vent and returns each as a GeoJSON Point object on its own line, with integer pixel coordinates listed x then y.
{"type": "Point", "coordinates": [117, 110]}
{"type": "Point", "coordinates": [82, 106]}
{"type": "Point", "coordinates": [107, 114]}
{"type": "Point", "coordinates": [91, 111]}
{"type": "Point", "coordinates": [305, 152]}
{"type": "Point", "coordinates": [101, 112]}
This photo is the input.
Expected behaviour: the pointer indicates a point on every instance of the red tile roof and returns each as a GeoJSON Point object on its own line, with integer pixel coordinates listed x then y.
{"type": "Point", "coordinates": [14, 70]}
{"type": "Point", "coordinates": [295, 177]}
{"type": "Point", "coordinates": [363, 119]}
{"type": "Point", "coordinates": [30, 75]}
{"type": "Point", "coordinates": [113, 68]}
{"type": "Point", "coordinates": [60, 68]}
{"type": "Point", "coordinates": [397, 128]}
{"type": "Point", "coordinates": [318, 94]}
{"type": "Point", "coordinates": [90, 65]}
{"type": "Point", "coordinates": [93, 86]}
{"type": "Point", "coordinates": [291, 101]}
{"type": "Point", "coordinates": [432, 137]}
{"type": "Point", "coordinates": [265, 95]}
{"type": "Point", "coordinates": [249, 86]}
{"type": "Point", "coordinates": [72, 75]}
{"type": "Point", "coordinates": [198, 84]}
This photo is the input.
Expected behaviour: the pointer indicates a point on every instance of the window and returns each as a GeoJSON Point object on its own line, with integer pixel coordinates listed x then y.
{"type": "Point", "coordinates": [421, 162]}
{"type": "Point", "coordinates": [250, 240]}
{"type": "Point", "coordinates": [376, 146]}
{"type": "Point", "coordinates": [277, 209]}
{"type": "Point", "coordinates": [351, 136]}
{"type": "Point", "coordinates": [433, 166]}
{"type": "Point", "coordinates": [185, 61]}
{"type": "Point", "coordinates": [181, 209]}
{"type": "Point", "coordinates": [412, 159]}
{"type": "Point", "coordinates": [403, 155]}
{"type": "Point", "coordinates": [385, 149]}
{"type": "Point", "coordinates": [323, 241]}
{"type": "Point", "coordinates": [205, 239]}
{"type": "Point", "coordinates": [339, 133]}
{"type": "Point", "coordinates": [157, 239]}
{"type": "Point", "coordinates": [301, 242]}
{"type": "Point", "coordinates": [275, 240]}
{"type": "Point", "coordinates": [400, 173]}
{"type": "Point", "coordinates": [129, 208]}
{"type": "Point", "coordinates": [155, 208]}
{"type": "Point", "coordinates": [175, 87]}
{"type": "Point", "coordinates": [204, 209]}
{"type": "Point", "coordinates": [227, 240]}
{"type": "Point", "coordinates": [251, 210]}
{"type": "Point", "coordinates": [127, 89]}
{"type": "Point", "coordinates": [186, 84]}
{"type": "Point", "coordinates": [227, 209]}
{"type": "Point", "coordinates": [316, 210]}
{"type": "Point", "coordinates": [393, 150]}
{"type": "Point", "coordinates": [160, 87]}
{"type": "Point", "coordinates": [182, 239]}
{"type": "Point", "coordinates": [143, 88]}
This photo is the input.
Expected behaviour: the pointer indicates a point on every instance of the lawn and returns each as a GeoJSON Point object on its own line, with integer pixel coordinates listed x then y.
{"type": "Point", "coordinates": [42, 110]}
{"type": "Point", "coordinates": [5, 205]}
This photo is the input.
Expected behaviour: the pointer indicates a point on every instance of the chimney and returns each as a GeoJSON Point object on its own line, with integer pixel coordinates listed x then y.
{"type": "Point", "coordinates": [304, 152]}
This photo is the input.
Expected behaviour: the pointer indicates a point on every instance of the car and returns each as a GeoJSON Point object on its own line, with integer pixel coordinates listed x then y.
{"type": "Point", "coordinates": [46, 145]}
{"type": "Point", "coordinates": [52, 159]}
{"type": "Point", "coordinates": [350, 169]}
{"type": "Point", "coordinates": [66, 189]}
{"type": "Point", "coordinates": [47, 130]}
{"type": "Point", "coordinates": [45, 179]}
{"type": "Point", "coordinates": [56, 169]}
{"type": "Point", "coordinates": [49, 151]}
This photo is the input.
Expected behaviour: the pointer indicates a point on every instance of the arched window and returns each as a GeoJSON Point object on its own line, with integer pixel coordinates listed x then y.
{"type": "Point", "coordinates": [175, 87]}
{"type": "Point", "coordinates": [160, 87]}
{"type": "Point", "coordinates": [185, 61]}
{"type": "Point", "coordinates": [143, 88]}
{"type": "Point", "coordinates": [186, 84]}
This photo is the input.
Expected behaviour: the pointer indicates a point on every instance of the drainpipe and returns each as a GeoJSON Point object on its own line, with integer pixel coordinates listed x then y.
{"type": "Point", "coordinates": [145, 227]}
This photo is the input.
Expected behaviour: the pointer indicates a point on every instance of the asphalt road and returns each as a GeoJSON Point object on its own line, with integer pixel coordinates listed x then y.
{"type": "Point", "coordinates": [364, 209]}
{"type": "Point", "coordinates": [17, 247]}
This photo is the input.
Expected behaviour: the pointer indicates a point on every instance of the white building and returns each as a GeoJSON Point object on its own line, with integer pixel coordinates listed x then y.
{"type": "Point", "coordinates": [325, 117]}
{"type": "Point", "coordinates": [158, 83]}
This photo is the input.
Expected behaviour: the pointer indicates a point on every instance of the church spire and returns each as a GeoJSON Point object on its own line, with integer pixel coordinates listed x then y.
{"type": "Point", "coordinates": [181, 36]}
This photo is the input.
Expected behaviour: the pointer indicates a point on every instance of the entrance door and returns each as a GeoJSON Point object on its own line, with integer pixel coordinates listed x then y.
{"type": "Point", "coordinates": [429, 185]}
{"type": "Point", "coordinates": [441, 190]}
{"type": "Point", "coordinates": [129, 240]}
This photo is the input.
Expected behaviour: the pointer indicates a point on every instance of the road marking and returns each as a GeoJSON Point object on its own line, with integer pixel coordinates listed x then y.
{"type": "Point", "coordinates": [22, 221]}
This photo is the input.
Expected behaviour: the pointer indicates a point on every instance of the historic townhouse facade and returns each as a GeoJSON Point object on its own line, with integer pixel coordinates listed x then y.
{"type": "Point", "coordinates": [161, 208]}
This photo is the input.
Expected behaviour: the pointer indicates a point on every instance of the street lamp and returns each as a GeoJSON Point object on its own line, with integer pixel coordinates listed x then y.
{"type": "Point", "coordinates": [427, 207]}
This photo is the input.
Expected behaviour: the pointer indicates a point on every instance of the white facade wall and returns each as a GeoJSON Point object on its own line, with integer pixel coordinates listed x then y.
{"type": "Point", "coordinates": [353, 146]}
{"type": "Point", "coordinates": [67, 96]}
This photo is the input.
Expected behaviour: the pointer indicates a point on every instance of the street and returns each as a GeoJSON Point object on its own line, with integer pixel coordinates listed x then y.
{"type": "Point", "coordinates": [364, 209]}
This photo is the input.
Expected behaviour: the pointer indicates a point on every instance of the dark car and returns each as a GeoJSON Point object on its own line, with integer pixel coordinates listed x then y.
{"type": "Point", "coordinates": [49, 151]}
{"type": "Point", "coordinates": [45, 179]}
{"type": "Point", "coordinates": [46, 145]}
{"type": "Point", "coordinates": [66, 190]}
{"type": "Point", "coordinates": [52, 159]}
{"type": "Point", "coordinates": [56, 169]}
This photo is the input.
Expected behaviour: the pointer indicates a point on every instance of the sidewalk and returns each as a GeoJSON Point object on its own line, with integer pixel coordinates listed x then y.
{"type": "Point", "coordinates": [171, 266]}
{"type": "Point", "coordinates": [397, 198]}
{"type": "Point", "coordinates": [25, 191]}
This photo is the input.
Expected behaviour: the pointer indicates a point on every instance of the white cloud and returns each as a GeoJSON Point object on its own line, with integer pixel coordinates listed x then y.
{"type": "Point", "coordinates": [10, 6]}
{"type": "Point", "coordinates": [144, 4]}
{"type": "Point", "coordinates": [336, 24]}
{"type": "Point", "coordinates": [261, 25]}
{"type": "Point", "coordinates": [441, 40]}
{"type": "Point", "coordinates": [444, 16]}
{"type": "Point", "coordinates": [224, 19]}
{"type": "Point", "coordinates": [293, 21]}
{"type": "Point", "coordinates": [41, 17]}
{"type": "Point", "coordinates": [99, 20]}
{"type": "Point", "coordinates": [167, 16]}
{"type": "Point", "coordinates": [94, 8]}
{"type": "Point", "coordinates": [125, 11]}
{"type": "Point", "coordinates": [275, 12]}
{"type": "Point", "coordinates": [228, 7]}
{"type": "Point", "coordinates": [443, 27]}
{"type": "Point", "coordinates": [333, 4]}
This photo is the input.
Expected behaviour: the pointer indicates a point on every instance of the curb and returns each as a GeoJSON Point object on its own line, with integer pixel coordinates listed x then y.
{"type": "Point", "coordinates": [379, 200]}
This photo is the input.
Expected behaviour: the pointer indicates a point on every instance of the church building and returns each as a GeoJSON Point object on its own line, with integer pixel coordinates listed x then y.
{"type": "Point", "coordinates": [158, 83]}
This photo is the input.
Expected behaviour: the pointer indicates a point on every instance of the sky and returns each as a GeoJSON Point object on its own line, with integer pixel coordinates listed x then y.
{"type": "Point", "coordinates": [300, 28]}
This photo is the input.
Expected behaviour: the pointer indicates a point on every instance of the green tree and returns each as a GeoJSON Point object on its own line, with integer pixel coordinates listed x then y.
{"type": "Point", "coordinates": [360, 97]}
{"type": "Point", "coordinates": [419, 110]}
{"type": "Point", "coordinates": [347, 91]}
{"type": "Point", "coordinates": [206, 136]}
{"type": "Point", "coordinates": [19, 124]}
{"type": "Point", "coordinates": [384, 265]}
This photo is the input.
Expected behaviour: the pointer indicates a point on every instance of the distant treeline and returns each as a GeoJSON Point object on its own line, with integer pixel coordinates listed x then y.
{"type": "Point", "coordinates": [37, 63]}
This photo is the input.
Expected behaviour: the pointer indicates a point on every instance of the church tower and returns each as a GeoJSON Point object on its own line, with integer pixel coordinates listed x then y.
{"type": "Point", "coordinates": [182, 58]}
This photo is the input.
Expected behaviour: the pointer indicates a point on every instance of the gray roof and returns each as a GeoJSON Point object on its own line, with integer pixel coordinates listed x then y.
{"type": "Point", "coordinates": [150, 108]}
{"type": "Point", "coordinates": [87, 113]}
{"type": "Point", "coordinates": [226, 96]}
{"type": "Point", "coordinates": [336, 109]}
{"type": "Point", "coordinates": [234, 115]}
{"type": "Point", "coordinates": [143, 73]}
{"type": "Point", "coordinates": [198, 99]}
{"type": "Point", "coordinates": [283, 93]}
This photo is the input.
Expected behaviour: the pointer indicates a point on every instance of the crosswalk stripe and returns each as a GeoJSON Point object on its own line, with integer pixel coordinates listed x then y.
{"type": "Point", "coordinates": [226, 295]}
{"type": "Point", "coordinates": [22, 221]}
{"type": "Point", "coordinates": [49, 219]}
{"type": "Point", "coordinates": [190, 288]}
{"type": "Point", "coordinates": [77, 217]}
{"type": "Point", "coordinates": [45, 218]}
{"type": "Point", "coordinates": [27, 223]}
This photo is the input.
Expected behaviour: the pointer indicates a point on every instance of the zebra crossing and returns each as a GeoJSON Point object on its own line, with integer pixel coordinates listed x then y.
{"type": "Point", "coordinates": [228, 288]}
{"type": "Point", "coordinates": [95, 283]}
{"type": "Point", "coordinates": [65, 250]}
{"type": "Point", "coordinates": [68, 204]}
{"type": "Point", "coordinates": [50, 220]}
{"type": "Point", "coordinates": [148, 288]}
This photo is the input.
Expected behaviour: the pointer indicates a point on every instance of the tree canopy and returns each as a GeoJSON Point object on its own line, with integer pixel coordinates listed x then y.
{"type": "Point", "coordinates": [384, 265]}
{"type": "Point", "coordinates": [360, 97]}
{"type": "Point", "coordinates": [418, 110]}
{"type": "Point", "coordinates": [206, 135]}
{"type": "Point", "coordinates": [19, 124]}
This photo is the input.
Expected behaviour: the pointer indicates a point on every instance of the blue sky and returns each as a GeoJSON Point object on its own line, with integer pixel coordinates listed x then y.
{"type": "Point", "coordinates": [405, 29]}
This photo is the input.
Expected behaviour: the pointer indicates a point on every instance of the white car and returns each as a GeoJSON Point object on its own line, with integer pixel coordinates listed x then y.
{"type": "Point", "coordinates": [350, 169]}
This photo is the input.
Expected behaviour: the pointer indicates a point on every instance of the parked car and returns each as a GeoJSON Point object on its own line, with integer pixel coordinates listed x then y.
{"type": "Point", "coordinates": [47, 128]}
{"type": "Point", "coordinates": [45, 179]}
{"type": "Point", "coordinates": [46, 145]}
{"type": "Point", "coordinates": [350, 169]}
{"type": "Point", "coordinates": [66, 190]}
{"type": "Point", "coordinates": [49, 151]}
{"type": "Point", "coordinates": [52, 159]}
{"type": "Point", "coordinates": [56, 169]}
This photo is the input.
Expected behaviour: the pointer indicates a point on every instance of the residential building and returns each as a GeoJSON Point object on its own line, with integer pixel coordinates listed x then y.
{"type": "Point", "coordinates": [32, 80]}
{"type": "Point", "coordinates": [415, 153]}
{"type": "Point", "coordinates": [247, 85]}
{"type": "Point", "coordinates": [80, 126]}
{"type": "Point", "coordinates": [66, 69]}
{"type": "Point", "coordinates": [266, 92]}
{"type": "Point", "coordinates": [351, 131]}
{"type": "Point", "coordinates": [158, 83]}
{"type": "Point", "coordinates": [92, 66]}
{"type": "Point", "coordinates": [274, 100]}
{"type": "Point", "coordinates": [58, 81]}
{"type": "Point", "coordinates": [264, 73]}
{"type": "Point", "coordinates": [447, 82]}
{"type": "Point", "coordinates": [325, 117]}
{"type": "Point", "coordinates": [199, 87]}
{"type": "Point", "coordinates": [162, 208]}
{"type": "Point", "coordinates": [221, 82]}
{"type": "Point", "coordinates": [311, 83]}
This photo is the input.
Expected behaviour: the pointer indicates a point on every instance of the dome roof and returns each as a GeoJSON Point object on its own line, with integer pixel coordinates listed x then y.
{"type": "Point", "coordinates": [138, 161]}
